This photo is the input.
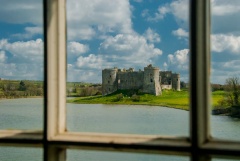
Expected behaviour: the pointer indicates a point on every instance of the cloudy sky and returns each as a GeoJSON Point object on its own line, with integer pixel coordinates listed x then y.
{"type": "Point", "coordinates": [117, 33]}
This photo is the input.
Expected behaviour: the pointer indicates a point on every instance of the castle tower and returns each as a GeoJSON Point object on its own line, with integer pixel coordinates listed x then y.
{"type": "Point", "coordinates": [109, 81]}
{"type": "Point", "coordinates": [151, 82]}
{"type": "Point", "coordinates": [176, 81]}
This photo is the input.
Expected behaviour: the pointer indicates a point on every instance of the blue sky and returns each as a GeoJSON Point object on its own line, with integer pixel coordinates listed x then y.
{"type": "Point", "coordinates": [117, 33]}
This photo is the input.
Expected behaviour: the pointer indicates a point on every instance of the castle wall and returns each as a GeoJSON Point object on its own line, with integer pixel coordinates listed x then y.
{"type": "Point", "coordinates": [170, 80]}
{"type": "Point", "coordinates": [151, 80]}
{"type": "Point", "coordinates": [165, 86]}
{"type": "Point", "coordinates": [130, 80]}
{"type": "Point", "coordinates": [109, 81]}
{"type": "Point", "coordinates": [176, 82]}
{"type": "Point", "coordinates": [151, 83]}
{"type": "Point", "coordinates": [166, 77]}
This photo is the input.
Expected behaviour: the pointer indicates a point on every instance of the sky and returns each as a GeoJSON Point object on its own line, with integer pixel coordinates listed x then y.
{"type": "Point", "coordinates": [117, 33]}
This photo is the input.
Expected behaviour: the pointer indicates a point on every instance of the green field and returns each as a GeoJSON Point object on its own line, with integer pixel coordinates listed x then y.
{"type": "Point", "coordinates": [169, 98]}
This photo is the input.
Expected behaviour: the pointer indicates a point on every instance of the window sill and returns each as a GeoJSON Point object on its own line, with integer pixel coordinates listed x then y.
{"type": "Point", "coordinates": [125, 142]}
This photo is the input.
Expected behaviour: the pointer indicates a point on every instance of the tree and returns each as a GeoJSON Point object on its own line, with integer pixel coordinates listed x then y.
{"type": "Point", "coordinates": [22, 86]}
{"type": "Point", "coordinates": [232, 89]}
{"type": "Point", "coordinates": [183, 84]}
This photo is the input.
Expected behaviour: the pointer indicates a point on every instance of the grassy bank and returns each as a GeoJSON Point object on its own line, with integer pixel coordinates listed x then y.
{"type": "Point", "coordinates": [174, 99]}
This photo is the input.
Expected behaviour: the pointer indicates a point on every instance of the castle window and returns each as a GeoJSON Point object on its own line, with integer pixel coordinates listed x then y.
{"type": "Point", "coordinates": [110, 76]}
{"type": "Point", "coordinates": [151, 80]}
{"type": "Point", "coordinates": [108, 82]}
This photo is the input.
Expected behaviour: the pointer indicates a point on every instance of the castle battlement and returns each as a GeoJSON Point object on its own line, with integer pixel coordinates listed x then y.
{"type": "Point", "coordinates": [151, 80]}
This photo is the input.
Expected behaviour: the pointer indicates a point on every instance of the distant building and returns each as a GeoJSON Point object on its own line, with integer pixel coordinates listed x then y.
{"type": "Point", "coordinates": [151, 80]}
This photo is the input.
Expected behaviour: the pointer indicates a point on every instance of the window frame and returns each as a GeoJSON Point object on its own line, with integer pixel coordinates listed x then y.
{"type": "Point", "coordinates": [55, 139]}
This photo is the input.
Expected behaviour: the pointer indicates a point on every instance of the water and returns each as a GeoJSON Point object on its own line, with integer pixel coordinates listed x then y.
{"type": "Point", "coordinates": [128, 119]}
{"type": "Point", "coordinates": [27, 114]}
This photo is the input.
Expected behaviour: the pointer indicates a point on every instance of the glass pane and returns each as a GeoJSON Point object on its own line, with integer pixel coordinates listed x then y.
{"type": "Point", "coordinates": [127, 66]}
{"type": "Point", "coordinates": [227, 159]}
{"type": "Point", "coordinates": [21, 64]}
{"type": "Point", "coordinates": [73, 155]}
{"type": "Point", "coordinates": [225, 73]}
{"type": "Point", "coordinates": [20, 154]}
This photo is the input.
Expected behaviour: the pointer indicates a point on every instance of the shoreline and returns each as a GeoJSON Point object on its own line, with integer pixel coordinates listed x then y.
{"type": "Point", "coordinates": [168, 106]}
{"type": "Point", "coordinates": [233, 112]}
{"type": "Point", "coordinates": [4, 98]}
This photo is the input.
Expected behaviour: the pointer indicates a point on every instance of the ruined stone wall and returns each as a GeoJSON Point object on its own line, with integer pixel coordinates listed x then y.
{"type": "Point", "coordinates": [151, 83]}
{"type": "Point", "coordinates": [166, 86]}
{"type": "Point", "coordinates": [176, 81]}
{"type": "Point", "coordinates": [166, 78]}
{"type": "Point", "coordinates": [130, 80]}
{"type": "Point", "coordinates": [109, 81]}
{"type": "Point", "coordinates": [151, 80]}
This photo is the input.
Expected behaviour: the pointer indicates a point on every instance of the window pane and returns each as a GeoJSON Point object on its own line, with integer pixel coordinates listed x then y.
{"type": "Point", "coordinates": [24, 113]}
{"type": "Point", "coordinates": [222, 159]}
{"type": "Point", "coordinates": [21, 63]}
{"type": "Point", "coordinates": [20, 154]}
{"type": "Point", "coordinates": [225, 69]}
{"type": "Point", "coordinates": [73, 155]}
{"type": "Point", "coordinates": [133, 55]}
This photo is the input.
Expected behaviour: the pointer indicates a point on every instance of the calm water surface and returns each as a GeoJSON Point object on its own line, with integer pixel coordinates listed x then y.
{"type": "Point", "coordinates": [27, 114]}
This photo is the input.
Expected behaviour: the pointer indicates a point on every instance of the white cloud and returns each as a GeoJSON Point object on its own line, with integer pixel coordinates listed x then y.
{"type": "Point", "coordinates": [77, 48]}
{"type": "Point", "coordinates": [25, 61]}
{"type": "Point", "coordinates": [225, 14]}
{"type": "Point", "coordinates": [31, 50]}
{"type": "Point", "coordinates": [3, 56]}
{"type": "Point", "coordinates": [179, 8]}
{"type": "Point", "coordinates": [91, 61]}
{"type": "Point", "coordinates": [222, 42]}
{"type": "Point", "coordinates": [159, 15]}
{"type": "Point", "coordinates": [86, 19]}
{"type": "Point", "coordinates": [132, 49]}
{"type": "Point", "coordinates": [122, 50]}
{"type": "Point", "coordinates": [29, 32]}
{"type": "Point", "coordinates": [19, 12]}
{"type": "Point", "coordinates": [88, 68]}
{"type": "Point", "coordinates": [180, 33]}
{"type": "Point", "coordinates": [31, 71]}
{"type": "Point", "coordinates": [179, 60]}
{"type": "Point", "coordinates": [85, 75]}
{"type": "Point", "coordinates": [165, 66]}
{"type": "Point", "coordinates": [223, 7]}
{"type": "Point", "coordinates": [151, 36]}
{"type": "Point", "coordinates": [76, 32]}
{"type": "Point", "coordinates": [222, 70]}
{"type": "Point", "coordinates": [179, 63]}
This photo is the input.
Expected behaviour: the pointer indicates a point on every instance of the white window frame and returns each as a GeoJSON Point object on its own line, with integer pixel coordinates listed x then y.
{"type": "Point", "coordinates": [55, 139]}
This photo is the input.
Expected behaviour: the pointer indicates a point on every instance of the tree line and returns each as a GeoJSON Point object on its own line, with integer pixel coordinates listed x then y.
{"type": "Point", "coordinates": [231, 93]}
{"type": "Point", "coordinates": [17, 89]}
{"type": "Point", "coordinates": [84, 90]}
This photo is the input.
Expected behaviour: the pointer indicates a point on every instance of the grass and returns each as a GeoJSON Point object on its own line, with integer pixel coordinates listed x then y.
{"type": "Point", "coordinates": [216, 96]}
{"type": "Point", "coordinates": [169, 98]}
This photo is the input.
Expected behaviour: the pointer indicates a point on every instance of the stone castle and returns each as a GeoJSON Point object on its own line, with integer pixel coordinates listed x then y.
{"type": "Point", "coordinates": [151, 80]}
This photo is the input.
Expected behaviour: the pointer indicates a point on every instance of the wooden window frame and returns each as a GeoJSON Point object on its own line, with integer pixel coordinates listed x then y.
{"type": "Point", "coordinates": [55, 139]}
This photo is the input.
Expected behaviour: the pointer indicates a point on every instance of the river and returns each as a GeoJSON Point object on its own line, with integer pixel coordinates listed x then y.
{"type": "Point", "coordinates": [126, 119]}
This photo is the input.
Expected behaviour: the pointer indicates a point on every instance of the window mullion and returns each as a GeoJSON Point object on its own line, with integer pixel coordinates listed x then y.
{"type": "Point", "coordinates": [56, 66]}
{"type": "Point", "coordinates": [54, 153]}
{"type": "Point", "coordinates": [199, 72]}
